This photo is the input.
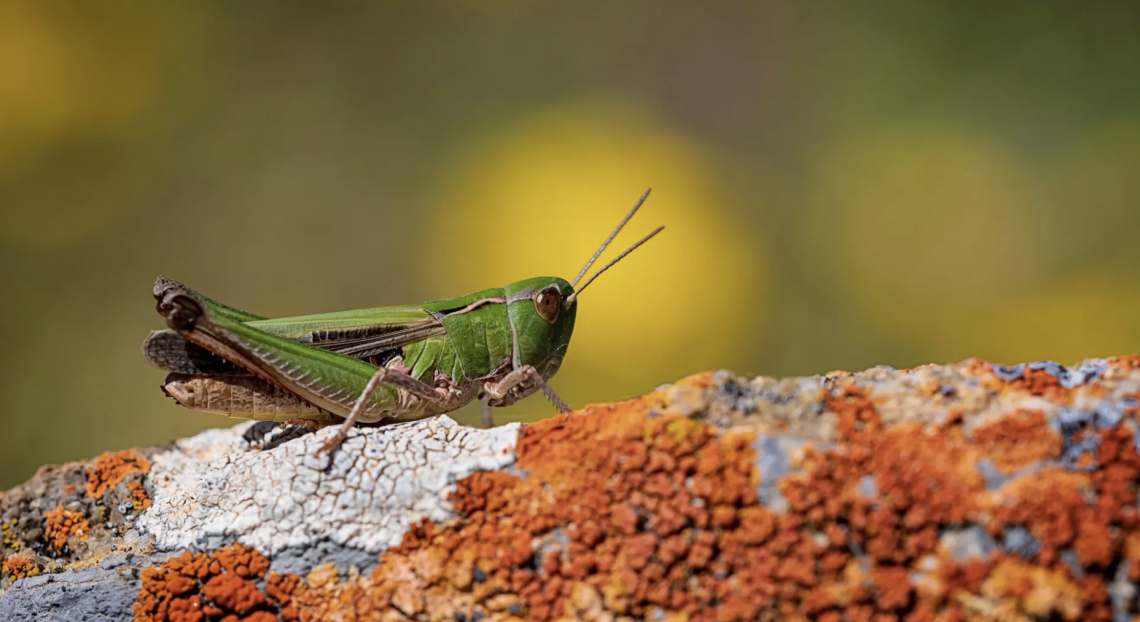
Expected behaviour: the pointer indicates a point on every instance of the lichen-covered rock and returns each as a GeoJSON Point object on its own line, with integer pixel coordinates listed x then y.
{"type": "Point", "coordinates": [971, 491]}
{"type": "Point", "coordinates": [365, 497]}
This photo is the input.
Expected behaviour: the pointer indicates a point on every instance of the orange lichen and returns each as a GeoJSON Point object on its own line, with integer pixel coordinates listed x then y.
{"type": "Point", "coordinates": [1132, 554]}
{"type": "Point", "coordinates": [857, 414]}
{"type": "Point", "coordinates": [645, 505]}
{"type": "Point", "coordinates": [976, 368]}
{"type": "Point", "coordinates": [280, 588]}
{"type": "Point", "coordinates": [324, 596]}
{"type": "Point", "coordinates": [233, 593]}
{"type": "Point", "coordinates": [1084, 512]}
{"type": "Point", "coordinates": [139, 499]}
{"type": "Point", "coordinates": [1022, 589]}
{"type": "Point", "coordinates": [1091, 515]}
{"type": "Point", "coordinates": [18, 567]}
{"type": "Point", "coordinates": [242, 561]}
{"type": "Point", "coordinates": [111, 468]}
{"type": "Point", "coordinates": [1018, 440]}
{"type": "Point", "coordinates": [1116, 479]}
{"type": "Point", "coordinates": [925, 480]}
{"type": "Point", "coordinates": [1037, 382]}
{"type": "Point", "coordinates": [1124, 363]}
{"type": "Point", "coordinates": [195, 587]}
{"type": "Point", "coordinates": [630, 510]}
{"type": "Point", "coordinates": [625, 512]}
{"type": "Point", "coordinates": [1047, 502]}
{"type": "Point", "coordinates": [61, 525]}
{"type": "Point", "coordinates": [658, 514]}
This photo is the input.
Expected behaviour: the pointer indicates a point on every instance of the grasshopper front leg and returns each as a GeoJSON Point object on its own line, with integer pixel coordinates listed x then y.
{"type": "Point", "coordinates": [525, 374]}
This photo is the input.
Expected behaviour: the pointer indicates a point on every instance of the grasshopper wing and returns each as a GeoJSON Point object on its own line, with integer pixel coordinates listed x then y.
{"type": "Point", "coordinates": [167, 349]}
{"type": "Point", "coordinates": [327, 380]}
{"type": "Point", "coordinates": [360, 333]}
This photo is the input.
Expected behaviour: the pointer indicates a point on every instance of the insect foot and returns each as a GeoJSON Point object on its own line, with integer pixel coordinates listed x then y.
{"type": "Point", "coordinates": [266, 435]}
{"type": "Point", "coordinates": [968, 491]}
{"type": "Point", "coordinates": [257, 431]}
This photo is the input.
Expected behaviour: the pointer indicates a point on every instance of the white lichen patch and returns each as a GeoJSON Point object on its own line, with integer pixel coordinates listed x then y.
{"type": "Point", "coordinates": [380, 481]}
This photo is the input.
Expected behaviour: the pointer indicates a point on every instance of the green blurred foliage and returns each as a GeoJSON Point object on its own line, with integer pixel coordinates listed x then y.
{"type": "Point", "coordinates": [844, 184]}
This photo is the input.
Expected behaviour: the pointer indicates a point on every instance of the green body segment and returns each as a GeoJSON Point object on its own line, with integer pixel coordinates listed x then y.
{"type": "Point", "coordinates": [537, 342]}
{"type": "Point", "coordinates": [326, 379]}
{"type": "Point", "coordinates": [423, 358]}
{"type": "Point", "coordinates": [456, 343]}
{"type": "Point", "coordinates": [478, 339]}
{"type": "Point", "coordinates": [503, 332]}
{"type": "Point", "coordinates": [306, 327]}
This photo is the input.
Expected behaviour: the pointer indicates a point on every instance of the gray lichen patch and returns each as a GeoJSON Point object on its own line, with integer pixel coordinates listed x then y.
{"type": "Point", "coordinates": [1091, 393]}
{"type": "Point", "coordinates": [364, 496]}
{"type": "Point", "coordinates": [101, 592]}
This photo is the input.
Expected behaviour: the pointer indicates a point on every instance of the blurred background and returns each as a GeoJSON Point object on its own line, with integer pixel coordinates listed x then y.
{"type": "Point", "coordinates": [844, 185]}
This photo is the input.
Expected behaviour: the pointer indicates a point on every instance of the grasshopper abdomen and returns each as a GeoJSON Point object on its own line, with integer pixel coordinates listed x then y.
{"type": "Point", "coordinates": [243, 397]}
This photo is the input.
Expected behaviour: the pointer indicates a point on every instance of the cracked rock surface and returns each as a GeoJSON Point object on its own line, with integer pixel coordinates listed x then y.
{"type": "Point", "coordinates": [968, 491]}
{"type": "Point", "coordinates": [365, 497]}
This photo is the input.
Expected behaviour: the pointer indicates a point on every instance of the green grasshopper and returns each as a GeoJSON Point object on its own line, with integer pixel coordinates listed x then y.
{"type": "Point", "coordinates": [380, 365]}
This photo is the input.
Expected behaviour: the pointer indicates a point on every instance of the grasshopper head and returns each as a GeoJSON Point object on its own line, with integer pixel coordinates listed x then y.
{"type": "Point", "coordinates": [541, 313]}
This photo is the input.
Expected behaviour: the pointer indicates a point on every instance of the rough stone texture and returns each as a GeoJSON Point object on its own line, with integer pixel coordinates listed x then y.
{"type": "Point", "coordinates": [970, 491]}
{"type": "Point", "coordinates": [103, 592]}
{"type": "Point", "coordinates": [364, 497]}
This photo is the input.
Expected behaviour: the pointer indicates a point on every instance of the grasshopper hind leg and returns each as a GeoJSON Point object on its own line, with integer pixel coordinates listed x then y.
{"type": "Point", "coordinates": [384, 375]}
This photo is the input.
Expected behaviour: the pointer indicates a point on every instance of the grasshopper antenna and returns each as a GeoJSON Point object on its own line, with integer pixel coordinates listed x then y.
{"type": "Point", "coordinates": [610, 239]}
{"type": "Point", "coordinates": [627, 251]}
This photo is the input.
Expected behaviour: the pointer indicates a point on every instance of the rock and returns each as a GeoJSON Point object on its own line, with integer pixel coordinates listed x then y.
{"type": "Point", "coordinates": [973, 490]}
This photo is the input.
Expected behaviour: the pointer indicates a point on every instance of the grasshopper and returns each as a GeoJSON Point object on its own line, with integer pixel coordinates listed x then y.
{"type": "Point", "coordinates": [379, 365]}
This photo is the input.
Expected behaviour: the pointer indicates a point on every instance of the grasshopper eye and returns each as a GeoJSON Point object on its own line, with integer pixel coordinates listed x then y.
{"type": "Point", "coordinates": [547, 302]}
